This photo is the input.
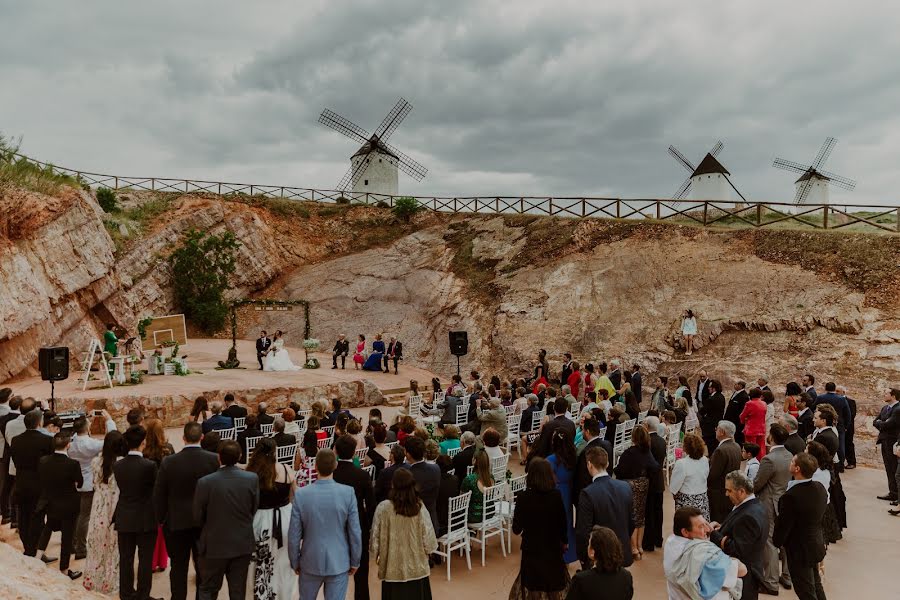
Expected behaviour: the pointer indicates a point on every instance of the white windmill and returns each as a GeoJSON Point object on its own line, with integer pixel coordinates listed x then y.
{"type": "Point", "coordinates": [812, 185]}
{"type": "Point", "coordinates": [709, 180]}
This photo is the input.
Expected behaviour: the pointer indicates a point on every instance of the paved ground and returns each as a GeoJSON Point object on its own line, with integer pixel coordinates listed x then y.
{"type": "Point", "coordinates": [857, 567]}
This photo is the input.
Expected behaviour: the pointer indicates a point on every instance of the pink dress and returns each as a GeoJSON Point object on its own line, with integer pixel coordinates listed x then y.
{"type": "Point", "coordinates": [358, 356]}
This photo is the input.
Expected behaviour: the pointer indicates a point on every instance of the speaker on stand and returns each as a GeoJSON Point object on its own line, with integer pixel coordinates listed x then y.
{"type": "Point", "coordinates": [54, 365]}
{"type": "Point", "coordinates": [459, 345]}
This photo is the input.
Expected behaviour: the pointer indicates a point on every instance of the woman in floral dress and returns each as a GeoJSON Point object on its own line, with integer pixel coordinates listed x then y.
{"type": "Point", "coordinates": [101, 570]}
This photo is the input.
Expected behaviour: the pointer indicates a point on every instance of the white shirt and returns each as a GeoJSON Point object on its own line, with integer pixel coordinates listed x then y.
{"type": "Point", "coordinates": [823, 476]}
{"type": "Point", "coordinates": [3, 439]}
{"type": "Point", "coordinates": [689, 476]}
{"type": "Point", "coordinates": [598, 476]}
{"type": "Point", "coordinates": [753, 467]}
{"type": "Point", "coordinates": [673, 548]}
{"type": "Point", "coordinates": [14, 428]}
{"type": "Point", "coordinates": [747, 499]}
{"type": "Point", "coordinates": [84, 449]}
{"type": "Point", "coordinates": [135, 453]}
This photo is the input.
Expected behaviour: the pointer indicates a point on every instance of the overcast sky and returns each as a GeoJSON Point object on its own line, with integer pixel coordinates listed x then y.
{"type": "Point", "coordinates": [511, 98]}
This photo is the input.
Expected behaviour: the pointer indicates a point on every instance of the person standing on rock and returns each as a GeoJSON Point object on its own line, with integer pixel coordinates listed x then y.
{"type": "Point", "coordinates": [688, 330]}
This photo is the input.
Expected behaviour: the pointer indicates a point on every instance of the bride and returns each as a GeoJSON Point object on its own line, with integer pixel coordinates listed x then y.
{"type": "Point", "coordinates": [277, 358]}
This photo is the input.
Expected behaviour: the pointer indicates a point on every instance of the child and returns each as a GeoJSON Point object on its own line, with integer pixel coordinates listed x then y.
{"type": "Point", "coordinates": [750, 453]}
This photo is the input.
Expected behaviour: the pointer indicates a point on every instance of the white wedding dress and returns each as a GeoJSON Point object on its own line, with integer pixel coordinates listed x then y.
{"type": "Point", "coordinates": [278, 358]}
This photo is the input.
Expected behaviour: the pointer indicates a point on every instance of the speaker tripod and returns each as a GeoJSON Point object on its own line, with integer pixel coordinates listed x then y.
{"type": "Point", "coordinates": [53, 395]}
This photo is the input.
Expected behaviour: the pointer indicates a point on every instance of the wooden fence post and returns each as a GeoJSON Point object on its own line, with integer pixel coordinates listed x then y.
{"type": "Point", "coordinates": [825, 216]}
{"type": "Point", "coordinates": [705, 210]}
{"type": "Point", "coordinates": [758, 214]}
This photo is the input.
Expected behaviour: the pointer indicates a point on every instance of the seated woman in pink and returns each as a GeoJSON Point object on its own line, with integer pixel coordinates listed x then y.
{"type": "Point", "coordinates": [359, 356]}
{"type": "Point", "coordinates": [754, 419]}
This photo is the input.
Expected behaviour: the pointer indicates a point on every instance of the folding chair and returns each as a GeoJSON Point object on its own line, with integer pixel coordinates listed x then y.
{"type": "Point", "coordinates": [491, 520]}
{"type": "Point", "coordinates": [641, 416]}
{"type": "Point", "coordinates": [508, 506]}
{"type": "Point", "coordinates": [240, 423]}
{"type": "Point", "coordinates": [227, 434]}
{"type": "Point", "coordinates": [498, 468]}
{"type": "Point", "coordinates": [453, 452]}
{"type": "Point", "coordinates": [371, 471]}
{"type": "Point", "coordinates": [251, 444]}
{"type": "Point", "coordinates": [457, 536]}
{"type": "Point", "coordinates": [512, 437]}
{"type": "Point", "coordinates": [329, 430]}
{"type": "Point", "coordinates": [267, 428]}
{"type": "Point", "coordinates": [285, 454]}
{"type": "Point", "coordinates": [361, 455]}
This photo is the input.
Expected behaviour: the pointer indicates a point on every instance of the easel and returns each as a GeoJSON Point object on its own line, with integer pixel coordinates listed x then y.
{"type": "Point", "coordinates": [95, 349]}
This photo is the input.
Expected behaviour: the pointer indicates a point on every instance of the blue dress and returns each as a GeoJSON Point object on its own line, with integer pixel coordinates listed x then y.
{"type": "Point", "coordinates": [564, 485]}
{"type": "Point", "coordinates": [375, 361]}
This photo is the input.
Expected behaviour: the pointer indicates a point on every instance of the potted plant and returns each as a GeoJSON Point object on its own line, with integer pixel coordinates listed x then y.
{"type": "Point", "coordinates": [311, 361]}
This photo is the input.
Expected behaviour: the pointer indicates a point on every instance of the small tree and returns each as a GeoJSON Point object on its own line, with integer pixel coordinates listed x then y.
{"type": "Point", "coordinates": [405, 207]}
{"type": "Point", "coordinates": [200, 269]}
{"type": "Point", "coordinates": [107, 200]}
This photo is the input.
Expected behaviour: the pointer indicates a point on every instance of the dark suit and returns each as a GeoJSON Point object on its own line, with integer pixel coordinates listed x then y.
{"type": "Point", "coordinates": [653, 534]}
{"type": "Point", "coordinates": [636, 385]}
{"type": "Point", "coordinates": [542, 447]}
{"type": "Point", "coordinates": [60, 478]}
{"type": "Point", "coordinates": [564, 373]}
{"type": "Point", "coordinates": [888, 426]}
{"type": "Point", "coordinates": [798, 527]}
{"type": "Point", "coordinates": [845, 420]}
{"type": "Point", "coordinates": [461, 462]}
{"type": "Point", "coordinates": [342, 349]}
{"type": "Point", "coordinates": [27, 450]}
{"type": "Point", "coordinates": [224, 505]}
{"type": "Point", "coordinates": [615, 377]}
{"type": "Point", "coordinates": [217, 422]}
{"type": "Point", "coordinates": [733, 410]}
{"type": "Point", "coordinates": [383, 481]}
{"type": "Point", "coordinates": [242, 441]}
{"type": "Point", "coordinates": [284, 439]}
{"type": "Point", "coordinates": [582, 477]}
{"type": "Point", "coordinates": [267, 419]}
{"type": "Point", "coordinates": [394, 353]}
{"type": "Point", "coordinates": [359, 480]}
{"type": "Point", "coordinates": [235, 411]}
{"type": "Point", "coordinates": [587, 584]}
{"type": "Point", "coordinates": [605, 502]}
{"type": "Point", "coordinates": [805, 425]}
{"type": "Point", "coordinates": [747, 529]}
{"type": "Point", "coordinates": [795, 444]}
{"type": "Point", "coordinates": [849, 444]}
{"type": "Point", "coordinates": [724, 460]}
{"type": "Point", "coordinates": [829, 439]}
{"type": "Point", "coordinates": [704, 392]}
{"type": "Point", "coordinates": [262, 344]}
{"type": "Point", "coordinates": [173, 501]}
{"type": "Point", "coordinates": [6, 504]}
{"type": "Point", "coordinates": [711, 412]}
{"type": "Point", "coordinates": [428, 482]}
{"type": "Point", "coordinates": [135, 522]}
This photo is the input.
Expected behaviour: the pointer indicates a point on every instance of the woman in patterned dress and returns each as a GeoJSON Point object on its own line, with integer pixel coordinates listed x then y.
{"type": "Point", "coordinates": [101, 570]}
{"type": "Point", "coordinates": [637, 466]}
{"type": "Point", "coordinates": [688, 481]}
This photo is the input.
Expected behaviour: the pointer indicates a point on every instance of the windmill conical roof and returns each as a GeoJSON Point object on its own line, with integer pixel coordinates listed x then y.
{"type": "Point", "coordinates": [374, 145]}
{"type": "Point", "coordinates": [709, 164]}
{"type": "Point", "coordinates": [810, 174]}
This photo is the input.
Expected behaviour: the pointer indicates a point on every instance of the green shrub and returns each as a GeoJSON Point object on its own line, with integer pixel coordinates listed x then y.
{"type": "Point", "coordinates": [200, 269]}
{"type": "Point", "coordinates": [343, 200]}
{"type": "Point", "coordinates": [23, 173]}
{"type": "Point", "coordinates": [107, 200]}
{"type": "Point", "coordinates": [405, 207]}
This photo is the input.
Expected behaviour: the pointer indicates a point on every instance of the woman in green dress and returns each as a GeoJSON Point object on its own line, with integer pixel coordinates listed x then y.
{"type": "Point", "coordinates": [476, 482]}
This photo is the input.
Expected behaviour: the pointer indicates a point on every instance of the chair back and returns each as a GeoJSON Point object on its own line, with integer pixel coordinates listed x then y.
{"type": "Point", "coordinates": [267, 428]}
{"type": "Point", "coordinates": [436, 397]}
{"type": "Point", "coordinates": [323, 443]}
{"type": "Point", "coordinates": [453, 451]}
{"type": "Point", "coordinates": [629, 427]}
{"type": "Point", "coordinates": [285, 454]}
{"type": "Point", "coordinates": [462, 414]}
{"type": "Point", "coordinates": [227, 434]}
{"type": "Point", "coordinates": [536, 418]}
{"type": "Point", "coordinates": [458, 517]}
{"type": "Point", "coordinates": [390, 445]}
{"type": "Point", "coordinates": [361, 454]}
{"type": "Point", "coordinates": [492, 497]}
{"type": "Point", "coordinates": [498, 468]}
{"type": "Point", "coordinates": [510, 410]}
{"type": "Point", "coordinates": [240, 423]}
{"type": "Point", "coordinates": [304, 413]}
{"type": "Point", "coordinates": [574, 412]}
{"type": "Point", "coordinates": [517, 484]}
{"type": "Point", "coordinates": [251, 444]}
{"type": "Point", "coordinates": [371, 471]}
{"type": "Point", "coordinates": [641, 416]}
{"type": "Point", "coordinates": [329, 430]}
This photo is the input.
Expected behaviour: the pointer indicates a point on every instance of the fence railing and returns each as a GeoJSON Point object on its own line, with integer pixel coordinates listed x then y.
{"type": "Point", "coordinates": [700, 212]}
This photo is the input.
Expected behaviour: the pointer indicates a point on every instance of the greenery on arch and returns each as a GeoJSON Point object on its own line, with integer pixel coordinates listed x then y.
{"type": "Point", "coordinates": [232, 362]}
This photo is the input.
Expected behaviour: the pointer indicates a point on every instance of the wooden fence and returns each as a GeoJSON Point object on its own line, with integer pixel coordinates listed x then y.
{"type": "Point", "coordinates": [700, 212]}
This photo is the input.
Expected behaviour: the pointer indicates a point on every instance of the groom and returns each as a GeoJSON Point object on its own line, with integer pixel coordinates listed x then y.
{"type": "Point", "coordinates": [262, 346]}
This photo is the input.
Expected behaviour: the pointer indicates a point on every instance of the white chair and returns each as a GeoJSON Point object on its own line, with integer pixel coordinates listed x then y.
{"type": "Point", "coordinates": [641, 416]}
{"type": "Point", "coordinates": [629, 427]}
{"type": "Point", "coordinates": [453, 452]}
{"type": "Point", "coordinates": [285, 454]}
{"type": "Point", "coordinates": [304, 414]}
{"type": "Point", "coordinates": [227, 434]}
{"type": "Point", "coordinates": [311, 473]}
{"type": "Point", "coordinates": [323, 443]}
{"type": "Point", "coordinates": [457, 536]}
{"type": "Point", "coordinates": [371, 471]}
{"type": "Point", "coordinates": [619, 442]}
{"type": "Point", "coordinates": [437, 397]}
{"type": "Point", "coordinates": [508, 506]}
{"type": "Point", "coordinates": [462, 415]}
{"type": "Point", "coordinates": [251, 444]}
{"type": "Point", "coordinates": [536, 418]}
{"type": "Point", "coordinates": [390, 445]}
{"type": "Point", "coordinates": [498, 468]}
{"type": "Point", "coordinates": [512, 437]}
{"type": "Point", "coordinates": [266, 428]}
{"type": "Point", "coordinates": [361, 454]}
{"type": "Point", "coordinates": [414, 408]}
{"type": "Point", "coordinates": [510, 410]}
{"type": "Point", "coordinates": [240, 423]}
{"type": "Point", "coordinates": [329, 430]}
{"type": "Point", "coordinates": [673, 442]}
{"type": "Point", "coordinates": [491, 520]}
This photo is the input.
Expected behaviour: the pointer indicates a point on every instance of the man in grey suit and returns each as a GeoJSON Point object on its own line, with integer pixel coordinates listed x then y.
{"type": "Point", "coordinates": [324, 539]}
{"type": "Point", "coordinates": [224, 504]}
{"type": "Point", "coordinates": [769, 484]}
{"type": "Point", "coordinates": [491, 414]}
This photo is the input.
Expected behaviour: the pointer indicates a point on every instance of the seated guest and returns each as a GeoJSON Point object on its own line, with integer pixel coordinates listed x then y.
{"type": "Point", "coordinates": [331, 417]}
{"type": "Point", "coordinates": [291, 425]}
{"type": "Point", "coordinates": [476, 482]}
{"type": "Point", "coordinates": [354, 430]}
{"type": "Point", "coordinates": [432, 451]}
{"type": "Point", "coordinates": [312, 436]}
{"type": "Point", "coordinates": [448, 489]}
{"type": "Point", "coordinates": [464, 457]}
{"type": "Point", "coordinates": [694, 566]}
{"type": "Point", "coordinates": [200, 410]}
{"type": "Point", "coordinates": [491, 439]}
{"type": "Point", "coordinates": [406, 429]}
{"type": "Point", "coordinates": [451, 438]}
{"type": "Point", "coordinates": [211, 441]}
{"type": "Point", "coordinates": [252, 431]}
{"type": "Point", "coordinates": [607, 579]}
{"type": "Point", "coordinates": [383, 483]}
{"type": "Point", "coordinates": [217, 420]}
{"type": "Point", "coordinates": [232, 409]}
{"type": "Point", "coordinates": [280, 437]}
{"type": "Point", "coordinates": [379, 454]}
{"type": "Point", "coordinates": [262, 417]}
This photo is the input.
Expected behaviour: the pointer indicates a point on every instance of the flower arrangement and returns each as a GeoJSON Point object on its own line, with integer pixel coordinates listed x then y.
{"type": "Point", "coordinates": [309, 345]}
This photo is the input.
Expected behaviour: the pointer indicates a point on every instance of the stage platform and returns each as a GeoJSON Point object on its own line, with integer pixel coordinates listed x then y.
{"type": "Point", "coordinates": [170, 397]}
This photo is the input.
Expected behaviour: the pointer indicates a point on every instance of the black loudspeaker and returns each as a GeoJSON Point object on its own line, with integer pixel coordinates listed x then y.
{"type": "Point", "coordinates": [54, 363]}
{"type": "Point", "coordinates": [459, 343]}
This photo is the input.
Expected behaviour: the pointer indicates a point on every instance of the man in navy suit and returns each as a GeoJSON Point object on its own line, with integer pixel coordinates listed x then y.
{"type": "Point", "coordinates": [605, 502]}
{"type": "Point", "coordinates": [262, 347]}
{"type": "Point", "coordinates": [845, 417]}
{"type": "Point", "coordinates": [217, 420]}
{"type": "Point", "coordinates": [324, 540]}
{"type": "Point", "coordinates": [744, 531]}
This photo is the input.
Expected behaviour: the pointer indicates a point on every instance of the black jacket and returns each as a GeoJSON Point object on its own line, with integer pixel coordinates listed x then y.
{"type": "Point", "coordinates": [27, 450]}
{"type": "Point", "coordinates": [805, 425]}
{"type": "Point", "coordinates": [747, 529]}
{"type": "Point", "coordinates": [359, 480]}
{"type": "Point", "coordinates": [636, 386]}
{"type": "Point", "coordinates": [711, 412]}
{"type": "Point", "coordinates": [449, 488]}
{"type": "Point", "coordinates": [428, 482]}
{"type": "Point", "coordinates": [706, 394]}
{"type": "Point", "coordinates": [235, 411]}
{"type": "Point", "coordinates": [542, 447]}
{"type": "Point", "coordinates": [540, 518]}
{"type": "Point", "coordinates": [60, 477]}
{"type": "Point", "coordinates": [395, 349]}
{"type": "Point", "coordinates": [265, 419]}
{"type": "Point", "coordinates": [135, 477]}
{"type": "Point", "coordinates": [829, 439]}
{"type": "Point", "coordinates": [733, 409]}
{"type": "Point", "coordinates": [173, 493]}
{"type": "Point", "coordinates": [658, 450]}
{"type": "Point", "coordinates": [586, 585]}
{"type": "Point", "coordinates": [262, 344]}
{"type": "Point", "coordinates": [582, 477]}
{"type": "Point", "coordinates": [636, 463]}
{"type": "Point", "coordinates": [341, 347]}
{"type": "Point", "coordinates": [887, 424]}
{"type": "Point", "coordinates": [242, 441]}
{"type": "Point", "coordinates": [284, 439]}
{"type": "Point", "coordinates": [383, 482]}
{"type": "Point", "coordinates": [224, 503]}
{"type": "Point", "coordinates": [795, 444]}
{"type": "Point", "coordinates": [605, 502]}
{"type": "Point", "coordinates": [798, 526]}
{"type": "Point", "coordinates": [461, 462]}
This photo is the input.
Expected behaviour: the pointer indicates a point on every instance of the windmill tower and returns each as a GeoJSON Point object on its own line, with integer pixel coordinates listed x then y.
{"type": "Point", "coordinates": [813, 184]}
{"type": "Point", "coordinates": [373, 168]}
{"type": "Point", "coordinates": [709, 180]}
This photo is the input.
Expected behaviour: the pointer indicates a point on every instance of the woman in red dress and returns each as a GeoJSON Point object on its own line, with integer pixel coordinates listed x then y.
{"type": "Point", "coordinates": [359, 357]}
{"type": "Point", "coordinates": [540, 372]}
{"type": "Point", "coordinates": [754, 419]}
